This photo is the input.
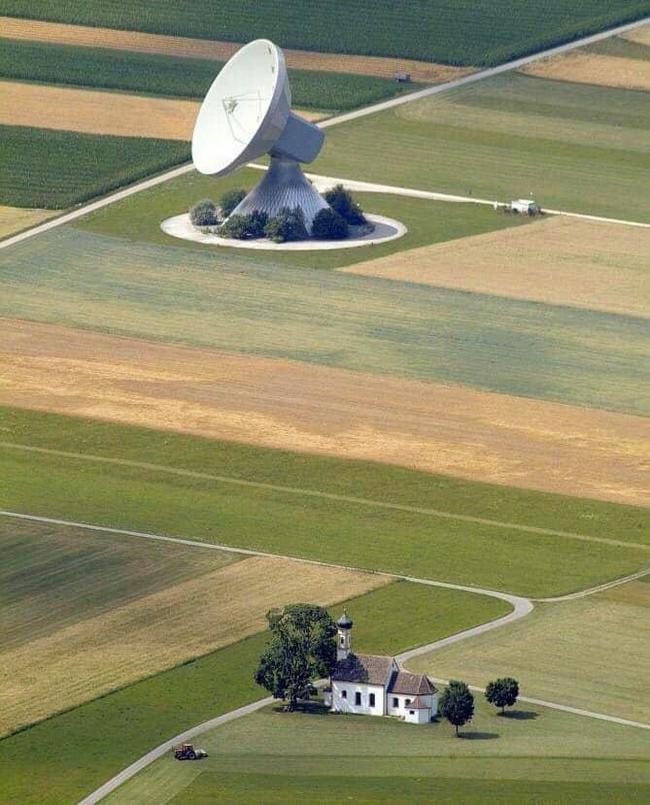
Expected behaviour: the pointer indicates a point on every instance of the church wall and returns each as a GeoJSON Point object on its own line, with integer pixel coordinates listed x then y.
{"type": "Point", "coordinates": [347, 704]}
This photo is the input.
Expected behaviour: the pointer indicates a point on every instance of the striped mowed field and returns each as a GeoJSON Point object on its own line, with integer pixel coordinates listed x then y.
{"type": "Point", "coordinates": [85, 612]}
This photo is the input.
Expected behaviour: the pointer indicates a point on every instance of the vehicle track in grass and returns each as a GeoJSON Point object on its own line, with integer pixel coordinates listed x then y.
{"type": "Point", "coordinates": [316, 493]}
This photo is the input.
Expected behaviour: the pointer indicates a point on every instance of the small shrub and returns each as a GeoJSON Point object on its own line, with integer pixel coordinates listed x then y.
{"type": "Point", "coordinates": [341, 200]}
{"type": "Point", "coordinates": [287, 225]}
{"type": "Point", "coordinates": [329, 225]}
{"type": "Point", "coordinates": [241, 227]}
{"type": "Point", "coordinates": [230, 200]}
{"type": "Point", "coordinates": [204, 213]}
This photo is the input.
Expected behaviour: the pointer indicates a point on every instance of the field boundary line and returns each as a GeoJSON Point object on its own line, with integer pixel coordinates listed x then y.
{"type": "Point", "coordinates": [332, 121]}
{"type": "Point", "coordinates": [315, 493]}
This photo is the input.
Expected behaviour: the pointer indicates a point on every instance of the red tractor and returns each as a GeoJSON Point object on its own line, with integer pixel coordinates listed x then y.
{"type": "Point", "coordinates": [188, 752]}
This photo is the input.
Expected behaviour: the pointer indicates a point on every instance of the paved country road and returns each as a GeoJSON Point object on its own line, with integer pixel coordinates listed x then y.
{"type": "Point", "coordinates": [66, 218]}
{"type": "Point", "coordinates": [521, 607]}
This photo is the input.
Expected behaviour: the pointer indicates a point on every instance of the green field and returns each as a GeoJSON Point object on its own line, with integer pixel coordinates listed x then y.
{"type": "Point", "coordinates": [66, 757]}
{"type": "Point", "coordinates": [56, 169]}
{"type": "Point", "coordinates": [590, 653]}
{"type": "Point", "coordinates": [459, 32]}
{"type": "Point", "coordinates": [215, 298]}
{"type": "Point", "coordinates": [155, 74]}
{"type": "Point", "coordinates": [535, 755]}
{"type": "Point", "coordinates": [621, 48]}
{"type": "Point", "coordinates": [283, 521]}
{"type": "Point", "coordinates": [138, 218]}
{"type": "Point", "coordinates": [570, 146]}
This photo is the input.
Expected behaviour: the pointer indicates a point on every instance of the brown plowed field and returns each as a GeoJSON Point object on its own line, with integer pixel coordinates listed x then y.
{"type": "Point", "coordinates": [446, 429]}
{"type": "Point", "coordinates": [593, 68]}
{"type": "Point", "coordinates": [563, 261]}
{"type": "Point", "coordinates": [160, 630]}
{"type": "Point", "coordinates": [83, 36]}
{"type": "Point", "coordinates": [96, 112]}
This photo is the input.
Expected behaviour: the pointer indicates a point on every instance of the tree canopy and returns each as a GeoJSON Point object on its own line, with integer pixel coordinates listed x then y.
{"type": "Point", "coordinates": [329, 225]}
{"type": "Point", "coordinates": [204, 213]}
{"type": "Point", "coordinates": [502, 692]}
{"type": "Point", "coordinates": [230, 200]}
{"type": "Point", "coordinates": [457, 704]}
{"type": "Point", "coordinates": [302, 649]}
{"type": "Point", "coordinates": [341, 200]}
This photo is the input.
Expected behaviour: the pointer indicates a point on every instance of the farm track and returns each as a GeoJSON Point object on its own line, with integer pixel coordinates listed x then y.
{"type": "Point", "coordinates": [521, 607]}
{"type": "Point", "coordinates": [315, 493]}
{"type": "Point", "coordinates": [369, 110]}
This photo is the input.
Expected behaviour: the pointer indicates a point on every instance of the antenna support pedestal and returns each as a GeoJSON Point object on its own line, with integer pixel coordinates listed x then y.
{"type": "Point", "coordinates": [283, 185]}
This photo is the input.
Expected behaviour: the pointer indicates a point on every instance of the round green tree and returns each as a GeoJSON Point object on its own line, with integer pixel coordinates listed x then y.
{"type": "Point", "coordinates": [329, 225]}
{"type": "Point", "coordinates": [502, 692]}
{"type": "Point", "coordinates": [287, 225]}
{"type": "Point", "coordinates": [302, 649]}
{"type": "Point", "coordinates": [341, 200]}
{"type": "Point", "coordinates": [457, 704]}
{"type": "Point", "coordinates": [204, 213]}
{"type": "Point", "coordinates": [230, 200]}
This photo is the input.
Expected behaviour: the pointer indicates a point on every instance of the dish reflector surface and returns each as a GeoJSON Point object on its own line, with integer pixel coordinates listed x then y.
{"type": "Point", "coordinates": [245, 111]}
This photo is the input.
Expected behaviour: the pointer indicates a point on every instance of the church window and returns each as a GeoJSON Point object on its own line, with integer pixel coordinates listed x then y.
{"type": "Point", "coordinates": [411, 712]}
{"type": "Point", "coordinates": [395, 701]}
{"type": "Point", "coordinates": [344, 694]}
{"type": "Point", "coordinates": [372, 699]}
{"type": "Point", "coordinates": [357, 699]}
{"type": "Point", "coordinates": [407, 702]}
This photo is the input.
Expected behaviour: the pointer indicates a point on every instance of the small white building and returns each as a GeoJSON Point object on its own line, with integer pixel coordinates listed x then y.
{"type": "Point", "coordinates": [525, 206]}
{"type": "Point", "coordinates": [367, 684]}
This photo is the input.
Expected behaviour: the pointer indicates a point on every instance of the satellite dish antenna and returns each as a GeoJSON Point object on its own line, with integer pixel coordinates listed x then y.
{"type": "Point", "coordinates": [247, 113]}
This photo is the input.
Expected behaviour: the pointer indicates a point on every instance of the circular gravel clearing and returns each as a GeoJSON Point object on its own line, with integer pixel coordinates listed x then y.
{"type": "Point", "coordinates": [179, 226]}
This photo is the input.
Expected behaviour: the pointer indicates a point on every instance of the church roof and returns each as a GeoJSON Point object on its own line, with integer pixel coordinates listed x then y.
{"type": "Point", "coordinates": [414, 684]}
{"type": "Point", "coordinates": [419, 704]}
{"type": "Point", "coordinates": [368, 668]}
{"type": "Point", "coordinates": [345, 621]}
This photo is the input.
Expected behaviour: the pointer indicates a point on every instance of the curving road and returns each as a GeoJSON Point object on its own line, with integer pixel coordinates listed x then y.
{"type": "Point", "coordinates": [521, 606]}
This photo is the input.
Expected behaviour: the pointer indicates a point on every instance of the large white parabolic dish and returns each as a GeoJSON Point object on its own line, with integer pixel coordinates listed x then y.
{"type": "Point", "coordinates": [247, 113]}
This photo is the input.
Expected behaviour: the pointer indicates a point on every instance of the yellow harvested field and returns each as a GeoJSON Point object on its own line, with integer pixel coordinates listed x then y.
{"type": "Point", "coordinates": [561, 261]}
{"type": "Point", "coordinates": [593, 68]}
{"type": "Point", "coordinates": [159, 631]}
{"type": "Point", "coordinates": [592, 653]}
{"type": "Point", "coordinates": [641, 35]}
{"type": "Point", "coordinates": [13, 219]}
{"type": "Point", "coordinates": [82, 36]}
{"type": "Point", "coordinates": [316, 409]}
{"type": "Point", "coordinates": [95, 112]}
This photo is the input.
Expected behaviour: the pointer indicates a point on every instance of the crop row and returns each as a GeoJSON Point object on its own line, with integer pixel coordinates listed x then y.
{"type": "Point", "coordinates": [56, 169]}
{"type": "Point", "coordinates": [451, 31]}
{"type": "Point", "coordinates": [180, 77]}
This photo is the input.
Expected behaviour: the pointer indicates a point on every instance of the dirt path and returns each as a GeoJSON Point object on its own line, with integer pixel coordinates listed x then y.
{"type": "Point", "coordinates": [83, 36]}
{"type": "Point", "coordinates": [276, 403]}
{"type": "Point", "coordinates": [98, 112]}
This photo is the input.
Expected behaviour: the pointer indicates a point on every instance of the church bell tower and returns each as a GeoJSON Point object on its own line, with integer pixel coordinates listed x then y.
{"type": "Point", "coordinates": [344, 637]}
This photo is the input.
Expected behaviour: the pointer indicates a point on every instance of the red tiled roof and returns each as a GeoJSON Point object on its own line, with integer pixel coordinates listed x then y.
{"type": "Point", "coordinates": [367, 668]}
{"type": "Point", "coordinates": [414, 684]}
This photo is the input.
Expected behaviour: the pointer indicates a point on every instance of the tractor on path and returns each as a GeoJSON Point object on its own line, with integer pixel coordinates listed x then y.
{"type": "Point", "coordinates": [188, 752]}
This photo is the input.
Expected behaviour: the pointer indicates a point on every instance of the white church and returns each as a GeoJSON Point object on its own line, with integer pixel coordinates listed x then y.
{"type": "Point", "coordinates": [366, 684]}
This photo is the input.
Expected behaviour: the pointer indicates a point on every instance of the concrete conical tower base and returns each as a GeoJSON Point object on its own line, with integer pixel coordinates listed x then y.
{"type": "Point", "coordinates": [284, 185]}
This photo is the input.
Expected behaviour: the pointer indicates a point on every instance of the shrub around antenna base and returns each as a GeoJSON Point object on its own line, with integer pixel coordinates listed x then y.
{"type": "Point", "coordinates": [341, 200]}
{"type": "Point", "coordinates": [329, 225]}
{"type": "Point", "coordinates": [204, 213]}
